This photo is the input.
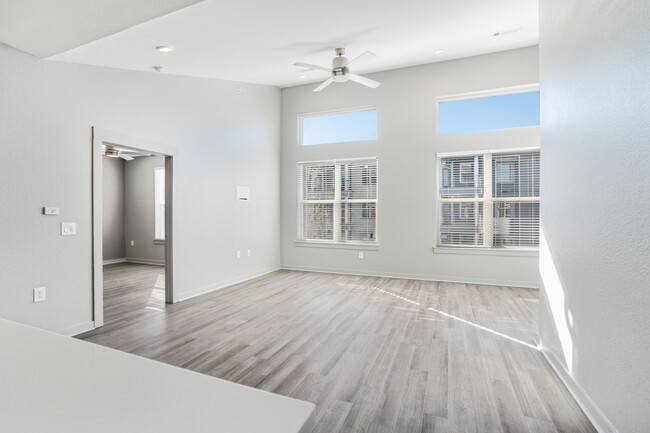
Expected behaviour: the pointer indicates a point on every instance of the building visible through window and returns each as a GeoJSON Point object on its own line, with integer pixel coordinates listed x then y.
{"type": "Point", "coordinates": [489, 199]}
{"type": "Point", "coordinates": [337, 201]}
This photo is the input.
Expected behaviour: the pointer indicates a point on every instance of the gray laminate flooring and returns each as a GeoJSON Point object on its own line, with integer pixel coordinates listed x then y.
{"type": "Point", "coordinates": [374, 354]}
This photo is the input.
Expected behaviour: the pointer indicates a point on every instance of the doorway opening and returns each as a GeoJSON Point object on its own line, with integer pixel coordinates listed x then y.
{"type": "Point", "coordinates": [132, 225]}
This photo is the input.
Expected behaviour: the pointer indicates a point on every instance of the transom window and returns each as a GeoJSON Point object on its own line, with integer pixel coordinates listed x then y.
{"type": "Point", "coordinates": [340, 127]}
{"type": "Point", "coordinates": [489, 199]}
{"type": "Point", "coordinates": [337, 201]}
{"type": "Point", "coordinates": [484, 111]}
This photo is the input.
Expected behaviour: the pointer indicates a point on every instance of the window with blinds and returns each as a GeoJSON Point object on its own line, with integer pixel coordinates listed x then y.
{"type": "Point", "coordinates": [337, 201]}
{"type": "Point", "coordinates": [159, 203]}
{"type": "Point", "coordinates": [489, 199]}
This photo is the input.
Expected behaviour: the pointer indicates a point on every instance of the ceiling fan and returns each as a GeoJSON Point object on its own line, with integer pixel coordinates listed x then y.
{"type": "Point", "coordinates": [340, 70]}
{"type": "Point", "coordinates": [125, 154]}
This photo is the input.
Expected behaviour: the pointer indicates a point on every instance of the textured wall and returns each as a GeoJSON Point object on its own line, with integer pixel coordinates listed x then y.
{"type": "Point", "coordinates": [224, 134]}
{"type": "Point", "coordinates": [595, 130]}
{"type": "Point", "coordinates": [139, 206]}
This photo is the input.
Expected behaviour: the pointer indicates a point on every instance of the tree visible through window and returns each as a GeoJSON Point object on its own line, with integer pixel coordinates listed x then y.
{"type": "Point", "coordinates": [337, 201]}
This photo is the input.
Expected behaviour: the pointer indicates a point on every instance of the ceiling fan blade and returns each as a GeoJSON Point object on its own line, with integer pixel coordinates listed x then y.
{"type": "Point", "coordinates": [368, 55]}
{"type": "Point", "coordinates": [326, 83]}
{"type": "Point", "coordinates": [125, 157]}
{"type": "Point", "coordinates": [365, 81]}
{"type": "Point", "coordinates": [308, 66]}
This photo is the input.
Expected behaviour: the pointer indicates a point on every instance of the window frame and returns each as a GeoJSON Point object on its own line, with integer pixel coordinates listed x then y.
{"type": "Point", "coordinates": [532, 87]}
{"type": "Point", "coordinates": [337, 208]}
{"type": "Point", "coordinates": [334, 112]}
{"type": "Point", "coordinates": [158, 212]}
{"type": "Point", "coordinates": [488, 202]}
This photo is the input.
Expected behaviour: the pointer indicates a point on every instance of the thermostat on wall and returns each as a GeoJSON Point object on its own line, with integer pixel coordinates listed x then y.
{"type": "Point", "coordinates": [243, 193]}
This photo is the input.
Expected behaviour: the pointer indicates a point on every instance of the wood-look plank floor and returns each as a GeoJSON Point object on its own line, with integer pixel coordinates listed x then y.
{"type": "Point", "coordinates": [375, 355]}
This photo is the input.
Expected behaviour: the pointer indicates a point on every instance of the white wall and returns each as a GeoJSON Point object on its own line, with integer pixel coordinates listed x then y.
{"type": "Point", "coordinates": [595, 268]}
{"type": "Point", "coordinates": [406, 148]}
{"type": "Point", "coordinates": [113, 208]}
{"type": "Point", "coordinates": [139, 211]}
{"type": "Point", "coordinates": [222, 137]}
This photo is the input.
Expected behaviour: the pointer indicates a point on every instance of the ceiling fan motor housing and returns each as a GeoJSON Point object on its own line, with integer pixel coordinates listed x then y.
{"type": "Point", "coordinates": [339, 69]}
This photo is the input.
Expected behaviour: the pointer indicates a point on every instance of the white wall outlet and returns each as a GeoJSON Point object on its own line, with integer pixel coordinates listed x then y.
{"type": "Point", "coordinates": [50, 211]}
{"type": "Point", "coordinates": [132, 243]}
{"type": "Point", "coordinates": [68, 229]}
{"type": "Point", "coordinates": [248, 252]}
{"type": "Point", "coordinates": [239, 254]}
{"type": "Point", "coordinates": [360, 254]}
{"type": "Point", "coordinates": [39, 294]}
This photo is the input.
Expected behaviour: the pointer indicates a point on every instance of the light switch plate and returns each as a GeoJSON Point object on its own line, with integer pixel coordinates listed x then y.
{"type": "Point", "coordinates": [68, 229]}
{"type": "Point", "coordinates": [243, 193]}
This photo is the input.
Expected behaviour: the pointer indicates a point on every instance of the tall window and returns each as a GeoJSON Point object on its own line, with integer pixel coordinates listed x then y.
{"type": "Point", "coordinates": [337, 201]}
{"type": "Point", "coordinates": [489, 199]}
{"type": "Point", "coordinates": [159, 203]}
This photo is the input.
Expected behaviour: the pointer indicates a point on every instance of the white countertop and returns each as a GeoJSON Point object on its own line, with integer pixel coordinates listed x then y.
{"type": "Point", "coordinates": [52, 383]}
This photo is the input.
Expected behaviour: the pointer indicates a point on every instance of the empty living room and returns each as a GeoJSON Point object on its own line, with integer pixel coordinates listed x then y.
{"type": "Point", "coordinates": [345, 217]}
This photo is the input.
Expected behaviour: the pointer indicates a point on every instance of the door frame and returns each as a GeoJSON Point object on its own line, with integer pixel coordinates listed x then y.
{"type": "Point", "coordinates": [102, 137]}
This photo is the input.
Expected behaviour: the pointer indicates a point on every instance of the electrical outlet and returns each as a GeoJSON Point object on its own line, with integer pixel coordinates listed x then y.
{"type": "Point", "coordinates": [360, 254]}
{"type": "Point", "coordinates": [68, 229]}
{"type": "Point", "coordinates": [132, 243]}
{"type": "Point", "coordinates": [239, 254]}
{"type": "Point", "coordinates": [248, 252]}
{"type": "Point", "coordinates": [39, 294]}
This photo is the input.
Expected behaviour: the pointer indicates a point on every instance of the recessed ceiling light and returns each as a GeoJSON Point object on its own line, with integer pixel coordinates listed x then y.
{"type": "Point", "coordinates": [302, 76]}
{"type": "Point", "coordinates": [164, 49]}
{"type": "Point", "coordinates": [437, 52]}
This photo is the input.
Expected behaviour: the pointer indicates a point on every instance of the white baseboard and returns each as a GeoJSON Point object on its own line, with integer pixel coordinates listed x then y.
{"type": "Point", "coordinates": [595, 415]}
{"type": "Point", "coordinates": [441, 278]}
{"type": "Point", "coordinates": [145, 261]}
{"type": "Point", "coordinates": [113, 261]}
{"type": "Point", "coordinates": [224, 284]}
{"type": "Point", "coordinates": [77, 329]}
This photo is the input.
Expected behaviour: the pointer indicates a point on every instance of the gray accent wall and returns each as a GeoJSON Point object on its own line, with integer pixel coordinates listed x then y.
{"type": "Point", "coordinates": [595, 261]}
{"type": "Point", "coordinates": [139, 210]}
{"type": "Point", "coordinates": [223, 134]}
{"type": "Point", "coordinates": [406, 149]}
{"type": "Point", "coordinates": [113, 208]}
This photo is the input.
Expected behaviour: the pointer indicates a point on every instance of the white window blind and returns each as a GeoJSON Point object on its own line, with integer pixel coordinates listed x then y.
{"type": "Point", "coordinates": [337, 201]}
{"type": "Point", "coordinates": [489, 199]}
{"type": "Point", "coordinates": [159, 203]}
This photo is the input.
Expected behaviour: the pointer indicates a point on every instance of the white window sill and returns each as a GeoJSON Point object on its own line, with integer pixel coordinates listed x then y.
{"type": "Point", "coordinates": [159, 242]}
{"type": "Point", "coordinates": [340, 245]}
{"type": "Point", "coordinates": [512, 252]}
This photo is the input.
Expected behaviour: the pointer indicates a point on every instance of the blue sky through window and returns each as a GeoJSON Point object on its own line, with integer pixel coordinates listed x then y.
{"type": "Point", "coordinates": [490, 112]}
{"type": "Point", "coordinates": [340, 128]}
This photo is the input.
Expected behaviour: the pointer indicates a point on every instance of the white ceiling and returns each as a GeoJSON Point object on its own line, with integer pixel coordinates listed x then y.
{"type": "Point", "coordinates": [45, 28]}
{"type": "Point", "coordinates": [258, 41]}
